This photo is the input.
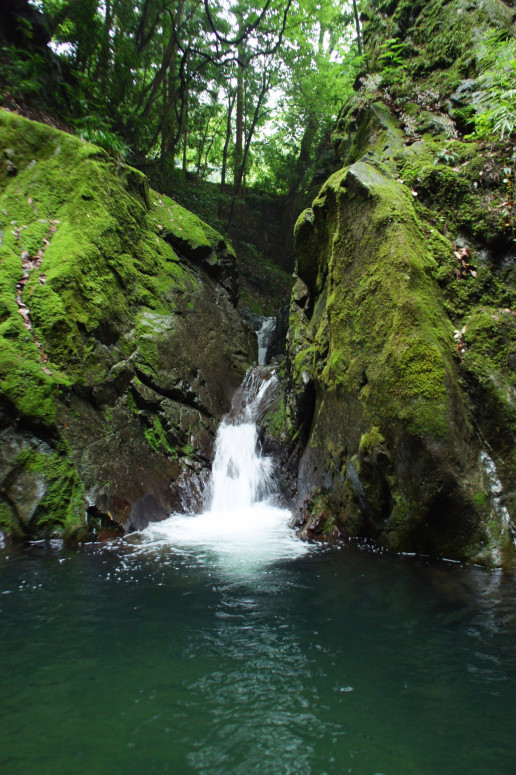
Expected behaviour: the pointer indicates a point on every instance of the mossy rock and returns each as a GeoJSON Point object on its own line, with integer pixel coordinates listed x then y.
{"type": "Point", "coordinates": [401, 358]}
{"type": "Point", "coordinates": [119, 337]}
{"type": "Point", "coordinates": [391, 442]}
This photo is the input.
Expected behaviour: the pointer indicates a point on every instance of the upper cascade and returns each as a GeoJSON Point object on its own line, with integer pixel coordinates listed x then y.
{"type": "Point", "coordinates": [265, 335]}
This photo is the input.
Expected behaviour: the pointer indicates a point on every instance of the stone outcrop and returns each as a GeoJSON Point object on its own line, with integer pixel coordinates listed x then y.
{"type": "Point", "coordinates": [120, 344]}
{"type": "Point", "coordinates": [401, 348]}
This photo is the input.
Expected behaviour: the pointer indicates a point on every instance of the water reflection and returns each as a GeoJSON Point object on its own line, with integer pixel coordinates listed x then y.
{"type": "Point", "coordinates": [334, 661]}
{"type": "Point", "coordinates": [263, 708]}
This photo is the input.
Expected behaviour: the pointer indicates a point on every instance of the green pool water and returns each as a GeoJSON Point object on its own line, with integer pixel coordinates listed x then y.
{"type": "Point", "coordinates": [118, 660]}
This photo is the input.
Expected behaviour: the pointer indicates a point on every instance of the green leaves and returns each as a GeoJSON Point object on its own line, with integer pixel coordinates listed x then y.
{"type": "Point", "coordinates": [496, 112]}
{"type": "Point", "coordinates": [392, 53]}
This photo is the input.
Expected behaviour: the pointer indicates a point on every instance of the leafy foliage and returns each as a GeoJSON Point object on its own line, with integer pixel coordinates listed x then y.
{"type": "Point", "coordinates": [111, 142]}
{"type": "Point", "coordinates": [497, 110]}
{"type": "Point", "coordinates": [183, 83]}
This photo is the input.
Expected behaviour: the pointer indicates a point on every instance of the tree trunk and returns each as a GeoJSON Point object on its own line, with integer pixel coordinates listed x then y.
{"type": "Point", "coordinates": [290, 210]}
{"type": "Point", "coordinates": [239, 128]}
{"type": "Point", "coordinates": [102, 64]}
{"type": "Point", "coordinates": [201, 147]}
{"type": "Point", "coordinates": [169, 98]}
{"type": "Point", "coordinates": [357, 25]}
{"type": "Point", "coordinates": [185, 134]}
{"type": "Point", "coordinates": [231, 103]}
{"type": "Point", "coordinates": [236, 203]}
{"type": "Point", "coordinates": [167, 59]}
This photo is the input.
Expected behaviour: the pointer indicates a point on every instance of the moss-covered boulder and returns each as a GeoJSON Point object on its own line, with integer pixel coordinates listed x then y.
{"type": "Point", "coordinates": [120, 344]}
{"type": "Point", "coordinates": [401, 352]}
{"type": "Point", "coordinates": [376, 384]}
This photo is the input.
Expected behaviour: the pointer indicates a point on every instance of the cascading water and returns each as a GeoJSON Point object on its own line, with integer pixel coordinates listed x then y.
{"type": "Point", "coordinates": [265, 335]}
{"type": "Point", "coordinates": [242, 525]}
{"type": "Point", "coordinates": [241, 476]}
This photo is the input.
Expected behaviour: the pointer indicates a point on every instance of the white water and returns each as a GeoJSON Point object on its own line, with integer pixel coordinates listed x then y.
{"type": "Point", "coordinates": [496, 488]}
{"type": "Point", "coordinates": [264, 336]}
{"type": "Point", "coordinates": [242, 526]}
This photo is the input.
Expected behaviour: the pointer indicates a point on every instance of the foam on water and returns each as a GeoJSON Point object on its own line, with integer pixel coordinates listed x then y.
{"type": "Point", "coordinates": [242, 526]}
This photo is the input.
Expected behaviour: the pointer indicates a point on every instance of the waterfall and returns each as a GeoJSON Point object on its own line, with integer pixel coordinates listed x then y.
{"type": "Point", "coordinates": [496, 489]}
{"type": "Point", "coordinates": [242, 526]}
{"type": "Point", "coordinates": [265, 336]}
{"type": "Point", "coordinates": [241, 476]}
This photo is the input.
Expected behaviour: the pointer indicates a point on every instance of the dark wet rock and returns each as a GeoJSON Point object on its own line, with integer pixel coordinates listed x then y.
{"type": "Point", "coordinates": [114, 393]}
{"type": "Point", "coordinates": [374, 390]}
{"type": "Point", "coordinates": [277, 344]}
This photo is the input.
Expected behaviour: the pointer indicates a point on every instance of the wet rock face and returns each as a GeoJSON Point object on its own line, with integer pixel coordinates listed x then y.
{"type": "Point", "coordinates": [276, 347]}
{"type": "Point", "coordinates": [160, 430]}
{"type": "Point", "coordinates": [374, 382]}
{"type": "Point", "coordinates": [129, 348]}
{"type": "Point", "coordinates": [402, 329]}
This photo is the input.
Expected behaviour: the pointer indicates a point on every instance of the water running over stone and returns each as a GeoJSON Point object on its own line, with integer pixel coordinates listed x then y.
{"type": "Point", "coordinates": [242, 526]}
{"type": "Point", "coordinates": [265, 335]}
{"type": "Point", "coordinates": [241, 476]}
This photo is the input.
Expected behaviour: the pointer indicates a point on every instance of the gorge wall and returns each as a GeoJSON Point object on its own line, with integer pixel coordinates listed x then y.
{"type": "Point", "coordinates": [120, 343]}
{"type": "Point", "coordinates": [402, 348]}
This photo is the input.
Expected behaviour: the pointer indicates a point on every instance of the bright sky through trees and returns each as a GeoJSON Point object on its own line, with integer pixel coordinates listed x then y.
{"type": "Point", "coordinates": [225, 89]}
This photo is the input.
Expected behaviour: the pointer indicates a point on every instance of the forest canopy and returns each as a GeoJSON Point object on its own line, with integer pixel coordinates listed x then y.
{"type": "Point", "coordinates": [227, 91]}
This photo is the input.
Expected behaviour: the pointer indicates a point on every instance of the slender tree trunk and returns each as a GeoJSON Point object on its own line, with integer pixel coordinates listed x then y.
{"type": "Point", "coordinates": [163, 148]}
{"type": "Point", "coordinates": [240, 173]}
{"type": "Point", "coordinates": [229, 133]}
{"type": "Point", "coordinates": [239, 125]}
{"type": "Point", "coordinates": [185, 134]}
{"type": "Point", "coordinates": [140, 32]}
{"type": "Point", "coordinates": [214, 134]}
{"type": "Point", "coordinates": [170, 118]}
{"type": "Point", "coordinates": [201, 146]}
{"type": "Point", "coordinates": [102, 65]}
{"type": "Point", "coordinates": [357, 25]}
{"type": "Point", "coordinates": [227, 141]}
{"type": "Point", "coordinates": [166, 126]}
{"type": "Point", "coordinates": [167, 59]}
{"type": "Point", "coordinates": [290, 210]}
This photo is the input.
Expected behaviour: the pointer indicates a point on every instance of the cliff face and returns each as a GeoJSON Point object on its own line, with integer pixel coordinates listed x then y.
{"type": "Point", "coordinates": [120, 344]}
{"type": "Point", "coordinates": [402, 346]}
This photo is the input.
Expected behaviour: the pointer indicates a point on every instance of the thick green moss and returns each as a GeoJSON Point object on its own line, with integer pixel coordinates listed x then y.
{"type": "Point", "coordinates": [109, 292]}
{"type": "Point", "coordinates": [184, 230]}
{"type": "Point", "coordinates": [387, 328]}
{"type": "Point", "coordinates": [380, 351]}
{"type": "Point", "coordinates": [60, 509]}
{"type": "Point", "coordinates": [106, 252]}
{"type": "Point", "coordinates": [402, 355]}
{"type": "Point", "coordinates": [440, 42]}
{"type": "Point", "coordinates": [489, 362]}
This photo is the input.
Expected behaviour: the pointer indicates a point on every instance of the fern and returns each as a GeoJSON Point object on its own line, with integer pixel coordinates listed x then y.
{"type": "Point", "coordinates": [496, 111]}
{"type": "Point", "coordinates": [108, 140]}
